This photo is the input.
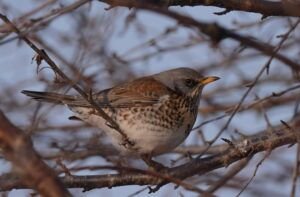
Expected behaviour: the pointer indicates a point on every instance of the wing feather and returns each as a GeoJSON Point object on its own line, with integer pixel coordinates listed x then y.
{"type": "Point", "coordinates": [141, 92]}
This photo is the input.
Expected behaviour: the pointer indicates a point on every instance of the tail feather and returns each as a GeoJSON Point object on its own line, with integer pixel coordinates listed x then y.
{"type": "Point", "coordinates": [49, 97]}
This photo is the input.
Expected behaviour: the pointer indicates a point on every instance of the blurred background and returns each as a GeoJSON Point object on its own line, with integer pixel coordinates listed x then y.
{"type": "Point", "coordinates": [99, 46]}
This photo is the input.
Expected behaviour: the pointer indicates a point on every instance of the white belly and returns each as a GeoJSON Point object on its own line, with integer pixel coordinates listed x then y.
{"type": "Point", "coordinates": [147, 137]}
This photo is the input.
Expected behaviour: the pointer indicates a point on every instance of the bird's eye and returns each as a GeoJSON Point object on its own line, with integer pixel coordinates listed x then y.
{"type": "Point", "coordinates": [190, 83]}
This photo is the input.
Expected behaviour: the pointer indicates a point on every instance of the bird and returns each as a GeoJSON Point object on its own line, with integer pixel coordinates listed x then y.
{"type": "Point", "coordinates": [156, 113]}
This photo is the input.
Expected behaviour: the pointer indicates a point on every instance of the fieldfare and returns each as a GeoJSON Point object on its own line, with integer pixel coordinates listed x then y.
{"type": "Point", "coordinates": [155, 112]}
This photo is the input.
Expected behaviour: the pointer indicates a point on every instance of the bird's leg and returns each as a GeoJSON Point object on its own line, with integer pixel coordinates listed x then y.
{"type": "Point", "coordinates": [147, 158]}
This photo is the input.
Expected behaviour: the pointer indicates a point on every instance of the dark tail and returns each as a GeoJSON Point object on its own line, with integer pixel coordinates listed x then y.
{"type": "Point", "coordinates": [50, 97]}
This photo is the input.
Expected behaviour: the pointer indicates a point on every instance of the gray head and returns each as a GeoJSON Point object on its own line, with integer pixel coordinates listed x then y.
{"type": "Point", "coordinates": [184, 80]}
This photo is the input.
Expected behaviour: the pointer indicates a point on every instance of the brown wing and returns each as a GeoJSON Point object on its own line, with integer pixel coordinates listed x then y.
{"type": "Point", "coordinates": [143, 91]}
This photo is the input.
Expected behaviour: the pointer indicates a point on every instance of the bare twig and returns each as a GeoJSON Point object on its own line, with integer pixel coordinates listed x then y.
{"type": "Point", "coordinates": [295, 172]}
{"type": "Point", "coordinates": [56, 69]}
{"type": "Point", "coordinates": [254, 173]}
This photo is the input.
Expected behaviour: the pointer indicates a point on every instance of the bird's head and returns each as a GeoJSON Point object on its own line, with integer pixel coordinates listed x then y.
{"type": "Point", "coordinates": [185, 81]}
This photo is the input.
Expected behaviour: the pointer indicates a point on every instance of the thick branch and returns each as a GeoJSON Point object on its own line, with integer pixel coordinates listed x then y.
{"type": "Point", "coordinates": [266, 8]}
{"type": "Point", "coordinates": [216, 32]}
{"type": "Point", "coordinates": [264, 141]}
{"type": "Point", "coordinates": [17, 148]}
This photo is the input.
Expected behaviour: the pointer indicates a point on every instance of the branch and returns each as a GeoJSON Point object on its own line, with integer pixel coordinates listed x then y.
{"type": "Point", "coordinates": [42, 55]}
{"type": "Point", "coordinates": [216, 32]}
{"type": "Point", "coordinates": [244, 148]}
{"type": "Point", "coordinates": [18, 149]}
{"type": "Point", "coordinates": [266, 8]}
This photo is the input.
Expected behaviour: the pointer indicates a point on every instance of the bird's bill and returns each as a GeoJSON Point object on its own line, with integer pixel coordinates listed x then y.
{"type": "Point", "coordinates": [207, 80]}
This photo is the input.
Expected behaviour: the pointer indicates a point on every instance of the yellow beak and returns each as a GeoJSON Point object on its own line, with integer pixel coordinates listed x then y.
{"type": "Point", "coordinates": [207, 80]}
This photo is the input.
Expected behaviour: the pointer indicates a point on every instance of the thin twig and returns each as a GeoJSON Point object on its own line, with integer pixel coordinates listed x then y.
{"type": "Point", "coordinates": [56, 69]}
{"type": "Point", "coordinates": [295, 172]}
{"type": "Point", "coordinates": [254, 173]}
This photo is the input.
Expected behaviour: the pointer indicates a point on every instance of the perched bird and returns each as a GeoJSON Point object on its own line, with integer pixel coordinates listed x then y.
{"type": "Point", "coordinates": [155, 112]}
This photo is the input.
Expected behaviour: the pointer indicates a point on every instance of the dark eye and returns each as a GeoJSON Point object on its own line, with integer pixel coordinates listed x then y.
{"type": "Point", "coordinates": [190, 83]}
